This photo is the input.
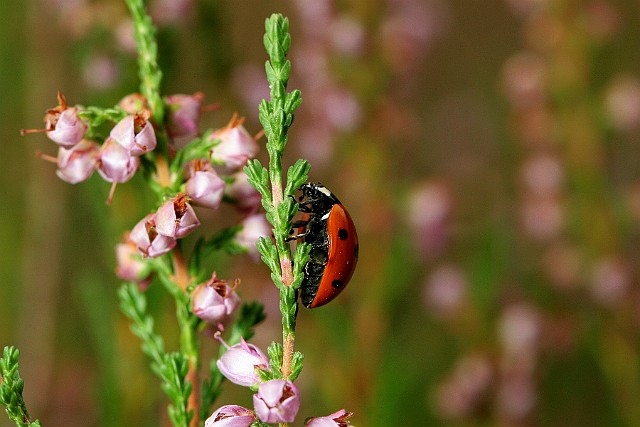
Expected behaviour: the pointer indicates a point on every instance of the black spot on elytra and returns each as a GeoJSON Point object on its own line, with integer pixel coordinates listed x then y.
{"type": "Point", "coordinates": [356, 250]}
{"type": "Point", "coordinates": [337, 283]}
{"type": "Point", "coordinates": [343, 234]}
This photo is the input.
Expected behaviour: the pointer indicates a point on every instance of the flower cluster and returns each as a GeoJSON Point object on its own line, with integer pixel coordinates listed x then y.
{"type": "Point", "coordinates": [211, 169]}
{"type": "Point", "coordinates": [118, 157]}
{"type": "Point", "coordinates": [274, 401]}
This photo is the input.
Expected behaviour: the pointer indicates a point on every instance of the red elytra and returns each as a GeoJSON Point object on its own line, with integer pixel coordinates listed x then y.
{"type": "Point", "coordinates": [329, 229]}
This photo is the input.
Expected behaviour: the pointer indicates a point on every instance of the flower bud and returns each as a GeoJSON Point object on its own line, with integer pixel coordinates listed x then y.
{"type": "Point", "coordinates": [76, 164]}
{"type": "Point", "coordinates": [116, 164]}
{"type": "Point", "coordinates": [183, 117]}
{"type": "Point", "coordinates": [277, 401]}
{"type": "Point", "coordinates": [236, 145]}
{"type": "Point", "coordinates": [145, 236]}
{"type": "Point", "coordinates": [129, 265]}
{"type": "Point", "coordinates": [176, 218]}
{"type": "Point", "coordinates": [204, 187]}
{"type": "Point", "coordinates": [134, 103]}
{"type": "Point", "coordinates": [243, 194]}
{"type": "Point", "coordinates": [241, 362]}
{"type": "Point", "coordinates": [135, 133]}
{"type": "Point", "coordinates": [254, 226]}
{"type": "Point", "coordinates": [214, 301]}
{"type": "Point", "coordinates": [231, 416]}
{"type": "Point", "coordinates": [337, 419]}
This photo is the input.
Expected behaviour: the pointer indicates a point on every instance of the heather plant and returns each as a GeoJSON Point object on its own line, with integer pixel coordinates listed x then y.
{"type": "Point", "coordinates": [158, 137]}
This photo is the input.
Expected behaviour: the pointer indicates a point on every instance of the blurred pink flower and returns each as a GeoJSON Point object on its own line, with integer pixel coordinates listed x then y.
{"type": "Point", "coordinates": [445, 290]}
{"type": "Point", "coordinates": [254, 226]}
{"type": "Point", "coordinates": [622, 102]}
{"type": "Point", "coordinates": [129, 265]}
{"type": "Point", "coordinates": [183, 118]}
{"type": "Point", "coordinates": [466, 388]}
{"type": "Point", "coordinates": [236, 145]}
{"type": "Point", "coordinates": [610, 281]}
{"type": "Point", "coordinates": [245, 197]}
{"type": "Point", "coordinates": [429, 212]}
{"type": "Point", "coordinates": [524, 79]}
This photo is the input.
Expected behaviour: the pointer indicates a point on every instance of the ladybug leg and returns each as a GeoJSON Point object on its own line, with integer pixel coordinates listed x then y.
{"type": "Point", "coordinates": [294, 225]}
{"type": "Point", "coordinates": [295, 237]}
{"type": "Point", "coordinates": [308, 205]}
{"type": "Point", "coordinates": [299, 223]}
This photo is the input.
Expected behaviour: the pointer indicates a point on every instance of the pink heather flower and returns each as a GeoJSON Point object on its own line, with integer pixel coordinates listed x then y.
{"type": "Point", "coordinates": [277, 401]}
{"type": "Point", "coordinates": [147, 239]}
{"type": "Point", "coordinates": [241, 362]}
{"type": "Point", "coordinates": [254, 226]}
{"type": "Point", "coordinates": [337, 419]}
{"type": "Point", "coordinates": [236, 144]}
{"type": "Point", "coordinates": [183, 117]}
{"type": "Point", "coordinates": [62, 124]}
{"type": "Point", "coordinates": [76, 164]}
{"type": "Point", "coordinates": [245, 196]}
{"type": "Point", "coordinates": [176, 218]}
{"type": "Point", "coordinates": [231, 416]}
{"type": "Point", "coordinates": [129, 265]}
{"type": "Point", "coordinates": [214, 301]}
{"type": "Point", "coordinates": [67, 127]}
{"type": "Point", "coordinates": [116, 164]}
{"type": "Point", "coordinates": [135, 133]}
{"type": "Point", "coordinates": [204, 187]}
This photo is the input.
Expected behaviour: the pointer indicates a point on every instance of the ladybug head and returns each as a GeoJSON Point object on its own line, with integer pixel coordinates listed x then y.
{"type": "Point", "coordinates": [317, 196]}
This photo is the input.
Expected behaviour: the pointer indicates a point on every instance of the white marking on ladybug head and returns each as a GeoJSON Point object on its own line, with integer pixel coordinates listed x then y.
{"type": "Point", "coordinates": [324, 190]}
{"type": "Point", "coordinates": [325, 216]}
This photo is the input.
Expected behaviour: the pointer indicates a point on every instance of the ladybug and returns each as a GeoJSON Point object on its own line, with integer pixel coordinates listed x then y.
{"type": "Point", "coordinates": [328, 228]}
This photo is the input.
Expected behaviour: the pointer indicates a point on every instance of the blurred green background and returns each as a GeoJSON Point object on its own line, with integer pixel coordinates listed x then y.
{"type": "Point", "coordinates": [487, 150]}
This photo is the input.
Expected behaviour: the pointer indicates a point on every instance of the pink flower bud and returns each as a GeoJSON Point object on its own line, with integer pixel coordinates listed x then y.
{"type": "Point", "coordinates": [134, 102]}
{"type": "Point", "coordinates": [145, 236]}
{"type": "Point", "coordinates": [254, 226]}
{"type": "Point", "coordinates": [231, 416]}
{"type": "Point", "coordinates": [204, 187]}
{"type": "Point", "coordinates": [245, 196]}
{"type": "Point", "coordinates": [176, 218]}
{"type": "Point", "coordinates": [241, 362]}
{"type": "Point", "coordinates": [214, 301]}
{"type": "Point", "coordinates": [236, 145]}
{"type": "Point", "coordinates": [76, 164]}
{"type": "Point", "coordinates": [135, 133]}
{"type": "Point", "coordinates": [277, 401]}
{"type": "Point", "coordinates": [116, 164]}
{"type": "Point", "coordinates": [337, 419]}
{"type": "Point", "coordinates": [129, 265]}
{"type": "Point", "coordinates": [183, 118]}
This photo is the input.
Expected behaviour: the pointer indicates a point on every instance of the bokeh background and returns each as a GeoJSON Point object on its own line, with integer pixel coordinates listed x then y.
{"type": "Point", "coordinates": [487, 150]}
